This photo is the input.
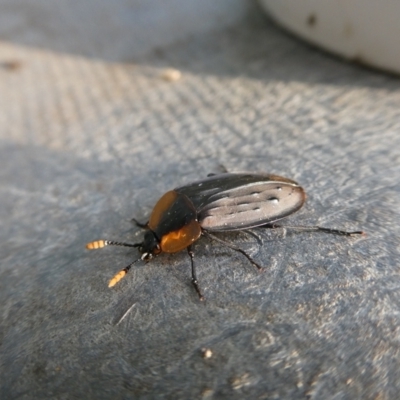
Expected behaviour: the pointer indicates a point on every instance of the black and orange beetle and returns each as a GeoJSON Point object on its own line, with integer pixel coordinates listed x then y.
{"type": "Point", "coordinates": [219, 203]}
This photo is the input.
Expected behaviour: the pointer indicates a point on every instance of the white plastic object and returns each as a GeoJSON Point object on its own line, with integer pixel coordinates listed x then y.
{"type": "Point", "coordinates": [366, 31]}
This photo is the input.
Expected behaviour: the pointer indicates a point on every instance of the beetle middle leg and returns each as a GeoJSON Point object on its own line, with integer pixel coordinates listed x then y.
{"type": "Point", "coordinates": [233, 247]}
{"type": "Point", "coordinates": [195, 282]}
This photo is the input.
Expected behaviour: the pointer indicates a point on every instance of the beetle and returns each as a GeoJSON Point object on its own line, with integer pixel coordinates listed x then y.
{"type": "Point", "coordinates": [219, 203]}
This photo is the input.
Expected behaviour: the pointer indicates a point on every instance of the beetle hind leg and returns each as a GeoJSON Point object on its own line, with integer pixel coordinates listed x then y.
{"type": "Point", "coordinates": [233, 247]}
{"type": "Point", "coordinates": [314, 229]}
{"type": "Point", "coordinates": [195, 282]}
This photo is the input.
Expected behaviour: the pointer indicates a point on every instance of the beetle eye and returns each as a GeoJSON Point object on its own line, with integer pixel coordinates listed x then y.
{"type": "Point", "coordinates": [147, 256]}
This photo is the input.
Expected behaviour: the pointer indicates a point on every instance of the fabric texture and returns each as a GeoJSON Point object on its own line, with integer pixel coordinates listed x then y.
{"type": "Point", "coordinates": [104, 108]}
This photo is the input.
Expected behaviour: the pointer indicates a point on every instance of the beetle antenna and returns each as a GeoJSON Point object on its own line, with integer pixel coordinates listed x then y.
{"type": "Point", "coordinates": [99, 244]}
{"type": "Point", "coordinates": [118, 276]}
{"type": "Point", "coordinates": [233, 247]}
{"type": "Point", "coordinates": [315, 229]}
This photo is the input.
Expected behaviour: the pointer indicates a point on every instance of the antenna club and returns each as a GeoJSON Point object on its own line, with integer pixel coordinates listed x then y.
{"type": "Point", "coordinates": [97, 244]}
{"type": "Point", "coordinates": [117, 277]}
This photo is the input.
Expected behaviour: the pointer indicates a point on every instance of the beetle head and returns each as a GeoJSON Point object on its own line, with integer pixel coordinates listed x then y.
{"type": "Point", "coordinates": [150, 246]}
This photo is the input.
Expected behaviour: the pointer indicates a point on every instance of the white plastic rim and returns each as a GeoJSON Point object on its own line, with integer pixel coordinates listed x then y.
{"type": "Point", "coordinates": [366, 31]}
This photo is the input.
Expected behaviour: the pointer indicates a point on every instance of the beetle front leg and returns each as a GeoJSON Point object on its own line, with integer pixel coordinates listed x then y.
{"type": "Point", "coordinates": [195, 282]}
{"type": "Point", "coordinates": [140, 224]}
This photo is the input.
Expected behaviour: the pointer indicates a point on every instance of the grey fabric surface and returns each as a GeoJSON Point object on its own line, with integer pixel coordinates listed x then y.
{"type": "Point", "coordinates": [93, 137]}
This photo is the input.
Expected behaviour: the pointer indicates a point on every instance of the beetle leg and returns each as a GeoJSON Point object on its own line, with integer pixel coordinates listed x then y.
{"type": "Point", "coordinates": [249, 232]}
{"type": "Point", "coordinates": [195, 282]}
{"type": "Point", "coordinates": [140, 224]}
{"type": "Point", "coordinates": [98, 244]}
{"type": "Point", "coordinates": [233, 247]}
{"type": "Point", "coordinates": [222, 167]}
{"type": "Point", "coordinates": [314, 229]}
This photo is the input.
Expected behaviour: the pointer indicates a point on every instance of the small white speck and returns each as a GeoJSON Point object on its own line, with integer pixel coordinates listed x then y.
{"type": "Point", "coordinates": [207, 353]}
{"type": "Point", "coordinates": [171, 74]}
